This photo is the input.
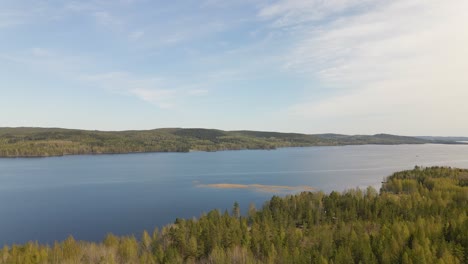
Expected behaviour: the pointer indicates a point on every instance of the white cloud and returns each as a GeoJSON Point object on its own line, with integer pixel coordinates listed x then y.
{"type": "Point", "coordinates": [161, 97]}
{"type": "Point", "coordinates": [78, 6]}
{"type": "Point", "coordinates": [41, 52]}
{"type": "Point", "coordinates": [28, 12]}
{"type": "Point", "coordinates": [106, 19]}
{"type": "Point", "coordinates": [136, 35]}
{"type": "Point", "coordinates": [164, 93]}
{"type": "Point", "coordinates": [11, 18]}
{"type": "Point", "coordinates": [45, 60]}
{"type": "Point", "coordinates": [147, 89]}
{"type": "Point", "coordinates": [402, 63]}
{"type": "Point", "coordinates": [294, 12]}
{"type": "Point", "coordinates": [158, 91]}
{"type": "Point", "coordinates": [197, 92]}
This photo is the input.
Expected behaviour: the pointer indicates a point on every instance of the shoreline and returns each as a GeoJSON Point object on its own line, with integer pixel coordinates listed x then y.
{"type": "Point", "coordinates": [220, 150]}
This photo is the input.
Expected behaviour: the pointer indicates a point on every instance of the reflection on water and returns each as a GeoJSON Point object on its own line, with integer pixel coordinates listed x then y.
{"type": "Point", "coordinates": [46, 199]}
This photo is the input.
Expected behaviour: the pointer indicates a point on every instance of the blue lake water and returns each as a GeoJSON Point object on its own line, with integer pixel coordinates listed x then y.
{"type": "Point", "coordinates": [47, 199]}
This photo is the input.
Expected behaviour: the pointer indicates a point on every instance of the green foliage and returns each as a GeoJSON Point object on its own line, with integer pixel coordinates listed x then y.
{"type": "Point", "coordinates": [42, 142]}
{"type": "Point", "coordinates": [420, 216]}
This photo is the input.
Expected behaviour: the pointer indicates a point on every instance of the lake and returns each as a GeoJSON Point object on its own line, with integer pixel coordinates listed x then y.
{"type": "Point", "coordinates": [47, 199]}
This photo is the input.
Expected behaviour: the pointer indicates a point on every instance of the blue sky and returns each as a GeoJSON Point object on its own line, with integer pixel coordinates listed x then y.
{"type": "Point", "coordinates": [343, 66]}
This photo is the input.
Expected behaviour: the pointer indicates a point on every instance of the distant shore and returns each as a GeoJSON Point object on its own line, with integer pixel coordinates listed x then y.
{"type": "Point", "coordinates": [48, 142]}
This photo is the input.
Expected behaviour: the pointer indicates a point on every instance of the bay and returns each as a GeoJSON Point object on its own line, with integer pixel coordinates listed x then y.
{"type": "Point", "coordinates": [47, 199]}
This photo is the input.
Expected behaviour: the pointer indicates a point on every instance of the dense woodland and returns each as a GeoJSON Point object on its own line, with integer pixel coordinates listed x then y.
{"type": "Point", "coordinates": [419, 216]}
{"type": "Point", "coordinates": [43, 142]}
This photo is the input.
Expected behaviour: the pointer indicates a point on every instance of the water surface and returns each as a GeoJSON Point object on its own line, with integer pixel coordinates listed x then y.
{"type": "Point", "coordinates": [47, 199]}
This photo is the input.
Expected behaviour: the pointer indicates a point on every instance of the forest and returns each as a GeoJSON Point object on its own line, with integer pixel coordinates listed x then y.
{"type": "Point", "coordinates": [43, 142]}
{"type": "Point", "coordinates": [418, 216]}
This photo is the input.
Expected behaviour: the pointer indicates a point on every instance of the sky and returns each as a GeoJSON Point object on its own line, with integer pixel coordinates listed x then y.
{"type": "Point", "coordinates": [309, 66]}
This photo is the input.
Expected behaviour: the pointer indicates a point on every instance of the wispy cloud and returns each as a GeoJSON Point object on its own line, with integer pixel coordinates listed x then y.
{"type": "Point", "coordinates": [294, 12]}
{"type": "Point", "coordinates": [402, 60]}
{"type": "Point", "coordinates": [80, 6]}
{"type": "Point", "coordinates": [41, 52]}
{"type": "Point", "coordinates": [156, 90]}
{"type": "Point", "coordinates": [45, 60]}
{"type": "Point", "coordinates": [106, 19]}
{"type": "Point", "coordinates": [197, 92]}
{"type": "Point", "coordinates": [162, 97]}
{"type": "Point", "coordinates": [11, 18]}
{"type": "Point", "coordinates": [162, 92]}
{"type": "Point", "coordinates": [13, 13]}
{"type": "Point", "coordinates": [378, 63]}
{"type": "Point", "coordinates": [136, 35]}
{"type": "Point", "coordinates": [148, 89]}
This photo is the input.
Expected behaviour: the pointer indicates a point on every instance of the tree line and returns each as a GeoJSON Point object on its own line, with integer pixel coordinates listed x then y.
{"type": "Point", "coordinates": [43, 142]}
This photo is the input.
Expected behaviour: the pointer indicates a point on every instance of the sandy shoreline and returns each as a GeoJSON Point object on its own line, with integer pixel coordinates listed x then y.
{"type": "Point", "coordinates": [258, 187]}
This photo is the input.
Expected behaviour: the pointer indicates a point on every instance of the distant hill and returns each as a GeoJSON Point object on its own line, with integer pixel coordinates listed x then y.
{"type": "Point", "coordinates": [43, 142]}
{"type": "Point", "coordinates": [447, 139]}
{"type": "Point", "coordinates": [374, 139]}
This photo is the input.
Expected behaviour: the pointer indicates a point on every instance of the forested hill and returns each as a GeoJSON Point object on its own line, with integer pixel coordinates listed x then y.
{"type": "Point", "coordinates": [420, 216]}
{"type": "Point", "coordinates": [42, 142]}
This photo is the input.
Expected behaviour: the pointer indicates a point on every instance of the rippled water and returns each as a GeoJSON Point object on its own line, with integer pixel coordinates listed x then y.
{"type": "Point", "coordinates": [46, 199]}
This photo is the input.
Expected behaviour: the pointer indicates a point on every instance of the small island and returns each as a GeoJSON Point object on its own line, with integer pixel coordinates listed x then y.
{"type": "Point", "coordinates": [44, 142]}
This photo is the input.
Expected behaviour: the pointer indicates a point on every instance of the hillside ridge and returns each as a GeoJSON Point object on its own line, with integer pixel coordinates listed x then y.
{"type": "Point", "coordinates": [44, 142]}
